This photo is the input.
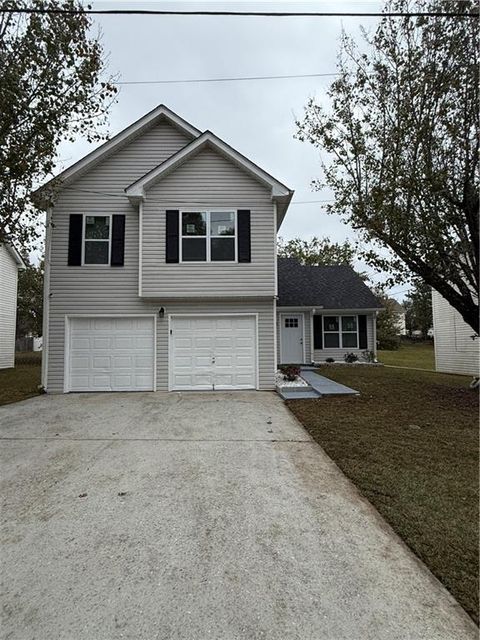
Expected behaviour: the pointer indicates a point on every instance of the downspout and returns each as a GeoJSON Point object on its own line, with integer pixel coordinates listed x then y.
{"type": "Point", "coordinates": [46, 299]}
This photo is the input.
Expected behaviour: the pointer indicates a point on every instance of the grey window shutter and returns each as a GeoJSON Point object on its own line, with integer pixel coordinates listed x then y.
{"type": "Point", "coordinates": [362, 332]}
{"type": "Point", "coordinates": [317, 332]}
{"type": "Point", "coordinates": [244, 240]}
{"type": "Point", "coordinates": [171, 248]}
{"type": "Point", "coordinates": [118, 241]}
{"type": "Point", "coordinates": [75, 240]}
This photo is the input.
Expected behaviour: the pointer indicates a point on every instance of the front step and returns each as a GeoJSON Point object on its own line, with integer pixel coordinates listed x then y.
{"type": "Point", "coordinates": [297, 393]}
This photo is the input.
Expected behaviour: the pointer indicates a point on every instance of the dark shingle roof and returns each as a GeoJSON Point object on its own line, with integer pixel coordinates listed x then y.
{"type": "Point", "coordinates": [335, 287]}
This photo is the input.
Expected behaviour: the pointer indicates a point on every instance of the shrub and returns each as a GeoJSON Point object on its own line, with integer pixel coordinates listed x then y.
{"type": "Point", "coordinates": [350, 357]}
{"type": "Point", "coordinates": [389, 343]}
{"type": "Point", "coordinates": [329, 359]}
{"type": "Point", "coordinates": [290, 371]}
{"type": "Point", "coordinates": [368, 356]}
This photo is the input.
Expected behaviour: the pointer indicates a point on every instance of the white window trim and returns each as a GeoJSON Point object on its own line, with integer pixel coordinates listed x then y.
{"type": "Point", "coordinates": [84, 239]}
{"type": "Point", "coordinates": [340, 332]}
{"type": "Point", "coordinates": [207, 237]}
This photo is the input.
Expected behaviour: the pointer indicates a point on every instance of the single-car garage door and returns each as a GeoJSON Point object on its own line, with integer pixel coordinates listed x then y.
{"type": "Point", "coordinates": [111, 354]}
{"type": "Point", "coordinates": [213, 352]}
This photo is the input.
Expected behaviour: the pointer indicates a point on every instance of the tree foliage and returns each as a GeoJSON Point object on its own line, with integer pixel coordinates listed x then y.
{"type": "Point", "coordinates": [30, 301]}
{"type": "Point", "coordinates": [317, 251]}
{"type": "Point", "coordinates": [418, 309]}
{"type": "Point", "coordinates": [387, 323]}
{"type": "Point", "coordinates": [402, 135]}
{"type": "Point", "coordinates": [51, 89]}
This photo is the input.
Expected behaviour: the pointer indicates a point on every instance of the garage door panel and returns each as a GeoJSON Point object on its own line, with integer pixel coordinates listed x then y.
{"type": "Point", "coordinates": [214, 352]}
{"type": "Point", "coordinates": [111, 354]}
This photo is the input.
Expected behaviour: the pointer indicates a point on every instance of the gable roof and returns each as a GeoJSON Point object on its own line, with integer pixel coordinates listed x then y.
{"type": "Point", "coordinates": [280, 193]}
{"type": "Point", "coordinates": [146, 122]}
{"type": "Point", "coordinates": [328, 287]}
{"type": "Point", "coordinates": [396, 306]}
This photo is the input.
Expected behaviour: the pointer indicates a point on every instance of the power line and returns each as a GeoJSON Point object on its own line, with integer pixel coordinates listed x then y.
{"type": "Point", "coordinates": [258, 14]}
{"type": "Point", "coordinates": [243, 78]}
{"type": "Point", "coordinates": [184, 202]}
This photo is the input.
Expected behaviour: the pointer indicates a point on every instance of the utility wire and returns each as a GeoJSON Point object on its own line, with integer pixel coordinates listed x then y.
{"type": "Point", "coordinates": [243, 78]}
{"type": "Point", "coordinates": [261, 14]}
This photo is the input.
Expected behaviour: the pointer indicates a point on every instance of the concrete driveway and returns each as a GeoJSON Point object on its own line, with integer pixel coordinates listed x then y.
{"type": "Point", "coordinates": [204, 516]}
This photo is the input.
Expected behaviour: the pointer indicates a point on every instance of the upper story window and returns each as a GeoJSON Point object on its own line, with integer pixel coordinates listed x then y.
{"type": "Point", "coordinates": [340, 332]}
{"type": "Point", "coordinates": [208, 236]}
{"type": "Point", "coordinates": [96, 239]}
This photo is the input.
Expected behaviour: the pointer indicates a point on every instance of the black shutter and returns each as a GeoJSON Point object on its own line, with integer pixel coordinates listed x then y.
{"type": "Point", "coordinates": [243, 221]}
{"type": "Point", "coordinates": [118, 241]}
{"type": "Point", "coordinates": [75, 240]}
{"type": "Point", "coordinates": [317, 332]}
{"type": "Point", "coordinates": [362, 332]}
{"type": "Point", "coordinates": [171, 249]}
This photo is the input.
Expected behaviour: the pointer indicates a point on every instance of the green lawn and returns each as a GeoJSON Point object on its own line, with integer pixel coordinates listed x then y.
{"type": "Point", "coordinates": [417, 355]}
{"type": "Point", "coordinates": [21, 382]}
{"type": "Point", "coordinates": [410, 444]}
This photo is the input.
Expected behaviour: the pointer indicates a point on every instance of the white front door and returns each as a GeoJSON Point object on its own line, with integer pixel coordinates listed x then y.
{"type": "Point", "coordinates": [291, 338]}
{"type": "Point", "coordinates": [212, 353]}
{"type": "Point", "coordinates": [110, 354]}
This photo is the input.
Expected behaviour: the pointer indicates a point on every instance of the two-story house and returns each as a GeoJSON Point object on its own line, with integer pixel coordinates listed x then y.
{"type": "Point", "coordinates": [161, 268]}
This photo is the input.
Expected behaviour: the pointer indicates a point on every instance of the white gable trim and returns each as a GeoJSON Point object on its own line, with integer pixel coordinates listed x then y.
{"type": "Point", "coordinates": [136, 191]}
{"type": "Point", "coordinates": [16, 257]}
{"type": "Point", "coordinates": [121, 139]}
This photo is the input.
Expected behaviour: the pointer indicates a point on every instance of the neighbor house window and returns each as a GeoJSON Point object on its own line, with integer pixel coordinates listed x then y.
{"type": "Point", "coordinates": [208, 236]}
{"type": "Point", "coordinates": [340, 332]}
{"type": "Point", "coordinates": [96, 243]}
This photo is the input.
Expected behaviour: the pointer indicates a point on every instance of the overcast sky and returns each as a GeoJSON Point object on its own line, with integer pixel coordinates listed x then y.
{"type": "Point", "coordinates": [255, 117]}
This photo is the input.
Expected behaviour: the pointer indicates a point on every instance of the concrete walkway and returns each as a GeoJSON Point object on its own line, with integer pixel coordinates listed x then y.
{"type": "Point", "coordinates": [325, 386]}
{"type": "Point", "coordinates": [196, 516]}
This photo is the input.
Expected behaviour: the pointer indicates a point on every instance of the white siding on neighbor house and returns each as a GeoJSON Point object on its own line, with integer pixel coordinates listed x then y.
{"type": "Point", "coordinates": [8, 307]}
{"type": "Point", "coordinates": [455, 350]}
{"type": "Point", "coordinates": [320, 355]}
{"type": "Point", "coordinates": [208, 181]}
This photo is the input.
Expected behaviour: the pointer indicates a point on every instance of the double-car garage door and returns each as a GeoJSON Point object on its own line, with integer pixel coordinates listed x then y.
{"type": "Point", "coordinates": [118, 353]}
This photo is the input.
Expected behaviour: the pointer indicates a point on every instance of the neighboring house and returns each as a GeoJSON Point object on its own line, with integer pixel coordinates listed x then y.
{"type": "Point", "coordinates": [10, 262]}
{"type": "Point", "coordinates": [161, 268]}
{"type": "Point", "coordinates": [323, 312]}
{"type": "Point", "coordinates": [457, 348]}
{"type": "Point", "coordinates": [399, 312]}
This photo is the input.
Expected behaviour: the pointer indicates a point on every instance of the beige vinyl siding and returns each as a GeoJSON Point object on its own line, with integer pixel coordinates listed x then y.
{"type": "Point", "coordinates": [206, 181]}
{"type": "Point", "coordinates": [455, 350]}
{"type": "Point", "coordinates": [114, 290]}
{"type": "Point", "coordinates": [8, 307]}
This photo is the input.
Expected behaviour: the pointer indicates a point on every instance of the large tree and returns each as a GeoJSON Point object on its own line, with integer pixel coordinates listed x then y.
{"type": "Point", "coordinates": [402, 133]}
{"type": "Point", "coordinates": [52, 88]}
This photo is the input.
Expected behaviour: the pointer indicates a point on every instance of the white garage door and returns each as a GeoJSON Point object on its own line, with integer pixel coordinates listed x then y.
{"type": "Point", "coordinates": [111, 354]}
{"type": "Point", "coordinates": [213, 352]}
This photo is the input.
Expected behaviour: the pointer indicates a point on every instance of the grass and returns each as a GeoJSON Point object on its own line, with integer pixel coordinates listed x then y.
{"type": "Point", "coordinates": [22, 381]}
{"type": "Point", "coordinates": [415, 354]}
{"type": "Point", "coordinates": [410, 444]}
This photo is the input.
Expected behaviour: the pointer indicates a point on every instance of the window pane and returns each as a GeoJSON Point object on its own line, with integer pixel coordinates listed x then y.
{"type": "Point", "coordinates": [222, 249]}
{"type": "Point", "coordinates": [194, 224]}
{"type": "Point", "coordinates": [349, 340]}
{"type": "Point", "coordinates": [194, 249]}
{"type": "Point", "coordinates": [96, 252]}
{"type": "Point", "coordinates": [330, 323]}
{"type": "Point", "coordinates": [331, 339]}
{"type": "Point", "coordinates": [222, 224]}
{"type": "Point", "coordinates": [97, 227]}
{"type": "Point", "coordinates": [349, 323]}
